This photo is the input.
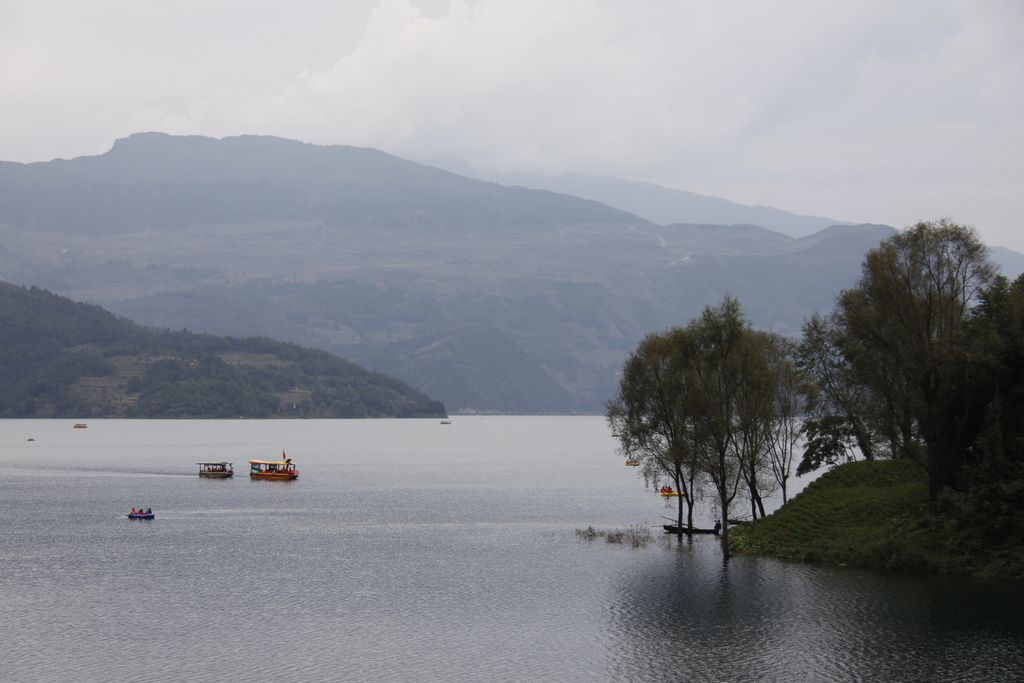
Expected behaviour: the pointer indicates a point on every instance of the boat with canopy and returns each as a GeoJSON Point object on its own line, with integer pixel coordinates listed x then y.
{"type": "Point", "coordinates": [283, 469]}
{"type": "Point", "coordinates": [216, 470]}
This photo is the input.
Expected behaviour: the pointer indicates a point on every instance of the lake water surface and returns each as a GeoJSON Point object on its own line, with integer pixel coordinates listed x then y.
{"type": "Point", "coordinates": [413, 551]}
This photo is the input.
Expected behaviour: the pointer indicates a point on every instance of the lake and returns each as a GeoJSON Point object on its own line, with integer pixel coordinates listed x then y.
{"type": "Point", "coordinates": [408, 550]}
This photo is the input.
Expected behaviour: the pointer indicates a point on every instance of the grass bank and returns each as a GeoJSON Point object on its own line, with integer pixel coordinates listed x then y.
{"type": "Point", "coordinates": [875, 515]}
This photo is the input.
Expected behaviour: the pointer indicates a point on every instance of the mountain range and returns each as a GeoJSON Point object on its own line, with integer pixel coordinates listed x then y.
{"type": "Point", "coordinates": [663, 205]}
{"type": "Point", "coordinates": [489, 297]}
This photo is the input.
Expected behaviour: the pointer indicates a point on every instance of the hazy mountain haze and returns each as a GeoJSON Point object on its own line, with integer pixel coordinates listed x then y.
{"type": "Point", "coordinates": [665, 205]}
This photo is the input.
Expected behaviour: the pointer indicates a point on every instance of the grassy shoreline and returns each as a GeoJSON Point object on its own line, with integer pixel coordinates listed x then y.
{"type": "Point", "coordinates": [875, 515]}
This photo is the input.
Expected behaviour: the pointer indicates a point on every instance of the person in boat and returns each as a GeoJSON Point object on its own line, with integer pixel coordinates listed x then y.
{"type": "Point", "coordinates": [718, 525]}
{"type": "Point", "coordinates": [149, 511]}
{"type": "Point", "coordinates": [133, 512]}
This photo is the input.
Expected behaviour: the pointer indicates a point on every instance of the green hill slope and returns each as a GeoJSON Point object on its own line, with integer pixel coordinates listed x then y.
{"type": "Point", "coordinates": [61, 358]}
{"type": "Point", "coordinates": [875, 515]}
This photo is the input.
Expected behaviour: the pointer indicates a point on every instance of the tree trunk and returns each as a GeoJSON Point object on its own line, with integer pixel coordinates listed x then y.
{"type": "Point", "coordinates": [862, 437]}
{"type": "Point", "coordinates": [760, 504]}
{"type": "Point", "coordinates": [724, 505]}
{"type": "Point", "coordinates": [689, 498]}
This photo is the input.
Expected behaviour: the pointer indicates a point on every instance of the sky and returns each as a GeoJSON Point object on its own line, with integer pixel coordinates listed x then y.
{"type": "Point", "coordinates": [861, 110]}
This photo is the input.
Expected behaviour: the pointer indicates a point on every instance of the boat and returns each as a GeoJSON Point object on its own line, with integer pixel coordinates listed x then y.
{"type": "Point", "coordinates": [632, 462]}
{"type": "Point", "coordinates": [669, 491]}
{"type": "Point", "coordinates": [141, 515]}
{"type": "Point", "coordinates": [446, 421]}
{"type": "Point", "coordinates": [283, 469]}
{"type": "Point", "coordinates": [80, 425]}
{"type": "Point", "coordinates": [216, 470]}
{"type": "Point", "coordinates": [689, 530]}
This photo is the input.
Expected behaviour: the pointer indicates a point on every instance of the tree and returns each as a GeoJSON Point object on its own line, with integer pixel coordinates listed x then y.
{"type": "Point", "coordinates": [839, 406]}
{"type": "Point", "coordinates": [791, 401]}
{"type": "Point", "coordinates": [651, 417]}
{"type": "Point", "coordinates": [902, 331]}
{"type": "Point", "coordinates": [702, 405]}
{"type": "Point", "coordinates": [718, 334]}
{"type": "Point", "coordinates": [996, 339]}
{"type": "Point", "coordinates": [755, 413]}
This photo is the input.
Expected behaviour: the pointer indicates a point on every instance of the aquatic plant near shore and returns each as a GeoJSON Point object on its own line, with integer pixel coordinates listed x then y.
{"type": "Point", "coordinates": [637, 535]}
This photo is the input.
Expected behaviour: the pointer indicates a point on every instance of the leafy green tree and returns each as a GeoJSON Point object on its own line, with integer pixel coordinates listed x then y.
{"type": "Point", "coordinates": [701, 405]}
{"type": "Point", "coordinates": [650, 417]}
{"type": "Point", "coordinates": [791, 404]}
{"type": "Point", "coordinates": [903, 332]}
{"type": "Point", "coordinates": [992, 467]}
{"type": "Point", "coordinates": [718, 376]}
{"type": "Point", "coordinates": [996, 337]}
{"type": "Point", "coordinates": [756, 415]}
{"type": "Point", "coordinates": [840, 407]}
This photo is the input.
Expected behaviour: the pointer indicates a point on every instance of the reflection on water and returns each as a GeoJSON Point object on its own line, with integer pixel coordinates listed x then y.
{"type": "Point", "coordinates": [766, 620]}
{"type": "Point", "coordinates": [407, 551]}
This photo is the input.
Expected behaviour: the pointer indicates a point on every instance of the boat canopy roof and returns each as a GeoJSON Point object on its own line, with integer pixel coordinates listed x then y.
{"type": "Point", "coordinates": [271, 462]}
{"type": "Point", "coordinates": [213, 463]}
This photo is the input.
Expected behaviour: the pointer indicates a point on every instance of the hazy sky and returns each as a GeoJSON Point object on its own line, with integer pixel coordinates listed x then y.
{"type": "Point", "coordinates": [884, 111]}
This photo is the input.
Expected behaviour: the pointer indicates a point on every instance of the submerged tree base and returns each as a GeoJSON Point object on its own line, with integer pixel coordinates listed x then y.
{"type": "Point", "coordinates": [875, 515]}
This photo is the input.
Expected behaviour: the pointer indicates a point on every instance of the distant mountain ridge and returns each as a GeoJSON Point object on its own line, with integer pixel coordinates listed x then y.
{"type": "Point", "coordinates": [665, 205]}
{"type": "Point", "coordinates": [491, 298]}
{"type": "Point", "coordinates": [158, 181]}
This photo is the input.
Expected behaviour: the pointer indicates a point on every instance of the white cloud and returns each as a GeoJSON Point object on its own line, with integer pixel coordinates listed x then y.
{"type": "Point", "coordinates": [857, 109]}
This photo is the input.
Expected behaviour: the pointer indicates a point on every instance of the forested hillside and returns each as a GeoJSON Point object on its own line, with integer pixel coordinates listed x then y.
{"type": "Point", "coordinates": [61, 358]}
